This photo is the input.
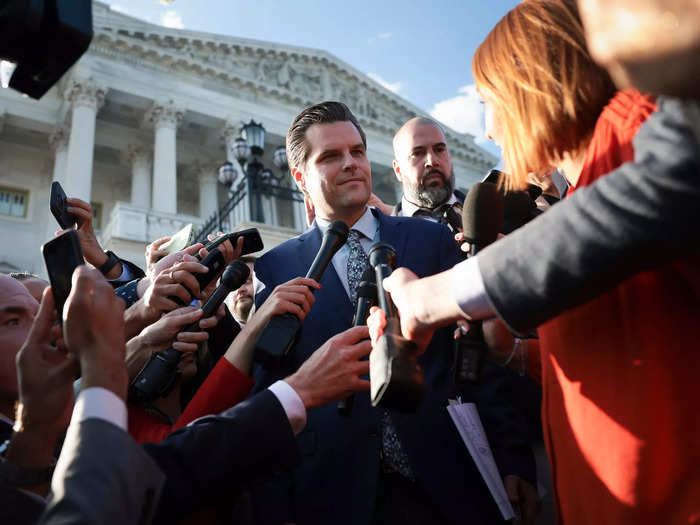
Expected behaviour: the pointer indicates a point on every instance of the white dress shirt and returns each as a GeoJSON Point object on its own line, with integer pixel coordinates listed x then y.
{"type": "Point", "coordinates": [368, 226]}
{"type": "Point", "coordinates": [104, 404]}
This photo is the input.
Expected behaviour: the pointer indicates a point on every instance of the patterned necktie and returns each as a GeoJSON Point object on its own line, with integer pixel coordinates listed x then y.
{"type": "Point", "coordinates": [357, 262]}
{"type": "Point", "coordinates": [394, 457]}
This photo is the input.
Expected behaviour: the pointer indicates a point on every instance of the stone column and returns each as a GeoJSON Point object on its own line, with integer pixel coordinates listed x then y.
{"type": "Point", "coordinates": [229, 133]}
{"type": "Point", "coordinates": [86, 97]}
{"type": "Point", "coordinates": [58, 140]}
{"type": "Point", "coordinates": [140, 159]}
{"type": "Point", "coordinates": [208, 196]}
{"type": "Point", "coordinates": [165, 118]}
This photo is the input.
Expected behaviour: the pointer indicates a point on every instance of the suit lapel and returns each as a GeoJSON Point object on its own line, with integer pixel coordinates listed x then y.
{"type": "Point", "coordinates": [393, 232]}
{"type": "Point", "coordinates": [333, 289]}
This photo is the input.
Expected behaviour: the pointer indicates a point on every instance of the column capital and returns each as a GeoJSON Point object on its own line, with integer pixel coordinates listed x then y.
{"type": "Point", "coordinates": [164, 114]}
{"type": "Point", "coordinates": [59, 137]}
{"type": "Point", "coordinates": [85, 92]}
{"type": "Point", "coordinates": [206, 170]}
{"type": "Point", "coordinates": [138, 155]}
{"type": "Point", "coordinates": [230, 131]}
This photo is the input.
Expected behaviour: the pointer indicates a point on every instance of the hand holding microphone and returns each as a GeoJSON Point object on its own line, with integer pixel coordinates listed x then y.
{"type": "Point", "coordinates": [396, 378]}
{"type": "Point", "coordinates": [160, 374]}
{"type": "Point", "coordinates": [277, 338]}
{"type": "Point", "coordinates": [366, 299]}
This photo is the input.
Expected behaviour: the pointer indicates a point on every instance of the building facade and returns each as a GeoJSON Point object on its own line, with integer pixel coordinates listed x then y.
{"type": "Point", "coordinates": [141, 124]}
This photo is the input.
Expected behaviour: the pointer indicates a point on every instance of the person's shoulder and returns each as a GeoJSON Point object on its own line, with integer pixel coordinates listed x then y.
{"type": "Point", "coordinates": [285, 248]}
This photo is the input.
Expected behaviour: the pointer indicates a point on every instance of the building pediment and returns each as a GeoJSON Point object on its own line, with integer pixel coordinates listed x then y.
{"type": "Point", "coordinates": [288, 74]}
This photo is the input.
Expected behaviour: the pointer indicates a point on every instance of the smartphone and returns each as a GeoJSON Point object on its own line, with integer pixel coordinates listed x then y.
{"type": "Point", "coordinates": [179, 241]}
{"type": "Point", "coordinates": [252, 242]}
{"type": "Point", "coordinates": [59, 207]}
{"type": "Point", "coordinates": [62, 255]}
{"type": "Point", "coordinates": [215, 262]}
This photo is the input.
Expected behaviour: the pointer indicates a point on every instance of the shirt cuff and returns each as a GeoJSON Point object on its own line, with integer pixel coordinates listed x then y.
{"type": "Point", "coordinates": [102, 404]}
{"type": "Point", "coordinates": [291, 403]}
{"type": "Point", "coordinates": [469, 291]}
{"type": "Point", "coordinates": [126, 275]}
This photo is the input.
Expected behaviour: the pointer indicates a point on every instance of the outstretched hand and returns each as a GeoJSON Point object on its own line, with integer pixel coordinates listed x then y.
{"type": "Point", "coordinates": [333, 371]}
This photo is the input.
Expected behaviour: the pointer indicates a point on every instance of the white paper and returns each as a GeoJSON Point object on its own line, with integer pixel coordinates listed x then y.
{"type": "Point", "coordinates": [466, 419]}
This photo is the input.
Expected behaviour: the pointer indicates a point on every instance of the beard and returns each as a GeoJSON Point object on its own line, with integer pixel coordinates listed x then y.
{"type": "Point", "coordinates": [431, 197]}
{"type": "Point", "coordinates": [242, 306]}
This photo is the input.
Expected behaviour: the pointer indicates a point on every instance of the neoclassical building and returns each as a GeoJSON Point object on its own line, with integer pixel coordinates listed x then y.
{"type": "Point", "coordinates": [142, 124]}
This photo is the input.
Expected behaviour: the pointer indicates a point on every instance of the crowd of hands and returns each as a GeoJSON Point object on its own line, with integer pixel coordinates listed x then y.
{"type": "Point", "coordinates": [105, 344]}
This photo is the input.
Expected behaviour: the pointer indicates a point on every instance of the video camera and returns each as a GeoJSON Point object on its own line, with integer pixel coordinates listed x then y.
{"type": "Point", "coordinates": [43, 38]}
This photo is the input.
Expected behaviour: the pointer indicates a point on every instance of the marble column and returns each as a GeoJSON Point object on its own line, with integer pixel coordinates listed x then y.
{"type": "Point", "coordinates": [58, 140]}
{"type": "Point", "coordinates": [229, 133]}
{"type": "Point", "coordinates": [86, 97]}
{"type": "Point", "coordinates": [208, 196]}
{"type": "Point", "coordinates": [165, 118]}
{"type": "Point", "coordinates": [140, 159]}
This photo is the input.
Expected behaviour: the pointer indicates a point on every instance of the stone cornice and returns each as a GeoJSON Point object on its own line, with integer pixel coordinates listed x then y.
{"type": "Point", "coordinates": [245, 68]}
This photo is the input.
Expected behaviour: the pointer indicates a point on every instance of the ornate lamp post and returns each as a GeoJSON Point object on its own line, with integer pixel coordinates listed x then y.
{"type": "Point", "coordinates": [248, 150]}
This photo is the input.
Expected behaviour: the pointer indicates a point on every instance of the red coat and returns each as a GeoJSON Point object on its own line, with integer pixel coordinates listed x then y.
{"type": "Point", "coordinates": [224, 387]}
{"type": "Point", "coordinates": [620, 373]}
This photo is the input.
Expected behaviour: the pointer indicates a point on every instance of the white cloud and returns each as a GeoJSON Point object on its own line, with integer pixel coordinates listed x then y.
{"type": "Point", "coordinates": [463, 113]}
{"type": "Point", "coordinates": [118, 7]}
{"type": "Point", "coordinates": [381, 36]}
{"type": "Point", "coordinates": [391, 86]}
{"type": "Point", "coordinates": [172, 19]}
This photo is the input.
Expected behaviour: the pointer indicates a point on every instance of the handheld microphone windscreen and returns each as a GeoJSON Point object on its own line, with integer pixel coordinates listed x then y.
{"type": "Point", "coordinates": [517, 210]}
{"type": "Point", "coordinates": [235, 275]}
{"type": "Point", "coordinates": [482, 214]}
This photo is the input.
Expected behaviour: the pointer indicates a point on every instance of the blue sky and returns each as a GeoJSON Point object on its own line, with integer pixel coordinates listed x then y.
{"type": "Point", "coordinates": [420, 49]}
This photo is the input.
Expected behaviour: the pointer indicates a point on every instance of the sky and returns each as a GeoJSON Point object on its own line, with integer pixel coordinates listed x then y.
{"type": "Point", "coordinates": [420, 49]}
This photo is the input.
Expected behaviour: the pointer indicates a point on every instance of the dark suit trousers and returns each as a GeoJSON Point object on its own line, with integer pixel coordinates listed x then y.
{"type": "Point", "coordinates": [404, 502]}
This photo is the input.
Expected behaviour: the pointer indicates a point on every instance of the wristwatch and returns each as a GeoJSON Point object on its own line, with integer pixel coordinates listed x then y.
{"type": "Point", "coordinates": [111, 261]}
{"type": "Point", "coordinates": [18, 476]}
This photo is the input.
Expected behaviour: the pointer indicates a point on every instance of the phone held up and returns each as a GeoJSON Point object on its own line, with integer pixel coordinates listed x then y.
{"type": "Point", "coordinates": [59, 207]}
{"type": "Point", "coordinates": [62, 255]}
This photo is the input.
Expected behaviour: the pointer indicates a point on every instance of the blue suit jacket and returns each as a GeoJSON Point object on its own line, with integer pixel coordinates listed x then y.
{"type": "Point", "coordinates": [340, 467]}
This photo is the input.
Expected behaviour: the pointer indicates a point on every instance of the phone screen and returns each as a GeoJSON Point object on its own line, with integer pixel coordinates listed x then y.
{"type": "Point", "coordinates": [62, 256]}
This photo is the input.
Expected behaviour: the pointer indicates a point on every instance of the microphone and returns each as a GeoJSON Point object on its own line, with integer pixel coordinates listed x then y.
{"type": "Point", "coordinates": [159, 375]}
{"type": "Point", "coordinates": [279, 334]}
{"type": "Point", "coordinates": [396, 378]}
{"type": "Point", "coordinates": [482, 215]}
{"type": "Point", "coordinates": [366, 299]}
{"type": "Point", "coordinates": [482, 219]}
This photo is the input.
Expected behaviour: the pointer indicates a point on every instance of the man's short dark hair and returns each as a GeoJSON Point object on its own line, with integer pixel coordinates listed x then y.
{"type": "Point", "coordinates": [323, 113]}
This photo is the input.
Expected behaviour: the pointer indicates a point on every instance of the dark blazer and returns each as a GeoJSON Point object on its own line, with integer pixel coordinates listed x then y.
{"type": "Point", "coordinates": [103, 476]}
{"type": "Point", "coordinates": [340, 468]}
{"type": "Point", "coordinates": [641, 215]}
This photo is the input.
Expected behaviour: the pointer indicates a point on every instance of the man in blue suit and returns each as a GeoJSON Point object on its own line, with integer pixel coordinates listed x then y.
{"type": "Point", "coordinates": [373, 466]}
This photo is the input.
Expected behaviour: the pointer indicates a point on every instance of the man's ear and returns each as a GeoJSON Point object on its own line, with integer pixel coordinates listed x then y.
{"type": "Point", "coordinates": [397, 171]}
{"type": "Point", "coordinates": [299, 179]}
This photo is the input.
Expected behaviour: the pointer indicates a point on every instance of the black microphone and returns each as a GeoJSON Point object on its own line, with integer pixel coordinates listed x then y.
{"type": "Point", "coordinates": [159, 375]}
{"type": "Point", "coordinates": [482, 219]}
{"type": "Point", "coordinates": [366, 299]}
{"type": "Point", "coordinates": [396, 378]}
{"type": "Point", "coordinates": [279, 334]}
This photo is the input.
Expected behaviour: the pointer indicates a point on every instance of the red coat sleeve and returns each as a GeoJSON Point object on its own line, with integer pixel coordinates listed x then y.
{"type": "Point", "coordinates": [225, 386]}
